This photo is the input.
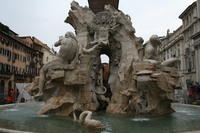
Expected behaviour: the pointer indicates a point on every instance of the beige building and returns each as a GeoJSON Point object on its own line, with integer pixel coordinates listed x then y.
{"type": "Point", "coordinates": [19, 61]}
{"type": "Point", "coordinates": [191, 22]}
{"type": "Point", "coordinates": [172, 47]}
{"type": "Point", "coordinates": [184, 43]}
{"type": "Point", "coordinates": [48, 54]}
{"type": "Point", "coordinates": [191, 27]}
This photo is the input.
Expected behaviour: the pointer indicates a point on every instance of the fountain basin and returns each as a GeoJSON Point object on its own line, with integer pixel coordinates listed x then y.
{"type": "Point", "coordinates": [23, 117]}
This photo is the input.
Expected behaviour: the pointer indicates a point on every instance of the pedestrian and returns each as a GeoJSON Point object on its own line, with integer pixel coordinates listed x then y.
{"type": "Point", "coordinates": [11, 96]}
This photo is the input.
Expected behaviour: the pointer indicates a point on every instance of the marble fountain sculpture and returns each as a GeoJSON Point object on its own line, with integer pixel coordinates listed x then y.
{"type": "Point", "coordinates": [139, 84]}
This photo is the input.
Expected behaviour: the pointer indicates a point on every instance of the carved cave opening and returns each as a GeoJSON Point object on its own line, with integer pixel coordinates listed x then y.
{"type": "Point", "coordinates": [104, 73]}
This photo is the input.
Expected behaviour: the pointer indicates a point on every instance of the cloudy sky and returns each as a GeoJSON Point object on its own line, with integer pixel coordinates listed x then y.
{"type": "Point", "coordinates": [44, 19]}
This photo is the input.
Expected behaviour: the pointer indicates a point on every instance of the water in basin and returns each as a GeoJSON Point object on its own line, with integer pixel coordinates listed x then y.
{"type": "Point", "coordinates": [24, 118]}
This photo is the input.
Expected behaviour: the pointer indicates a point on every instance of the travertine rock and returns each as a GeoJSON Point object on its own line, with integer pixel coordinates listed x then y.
{"type": "Point", "coordinates": [136, 85]}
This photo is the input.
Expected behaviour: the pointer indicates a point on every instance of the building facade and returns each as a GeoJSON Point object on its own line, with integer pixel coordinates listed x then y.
{"type": "Point", "coordinates": [19, 61]}
{"type": "Point", "coordinates": [45, 53]}
{"type": "Point", "coordinates": [172, 47]}
{"type": "Point", "coordinates": [184, 44]}
{"type": "Point", "coordinates": [191, 27]}
{"type": "Point", "coordinates": [48, 54]}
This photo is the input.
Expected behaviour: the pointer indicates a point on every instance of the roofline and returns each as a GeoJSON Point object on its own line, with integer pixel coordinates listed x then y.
{"type": "Point", "coordinates": [14, 32]}
{"type": "Point", "coordinates": [46, 47]}
{"type": "Point", "coordinates": [187, 9]}
{"type": "Point", "coordinates": [18, 40]}
{"type": "Point", "coordinates": [179, 28]}
{"type": "Point", "coordinates": [9, 29]}
{"type": "Point", "coordinates": [33, 39]}
{"type": "Point", "coordinates": [24, 36]}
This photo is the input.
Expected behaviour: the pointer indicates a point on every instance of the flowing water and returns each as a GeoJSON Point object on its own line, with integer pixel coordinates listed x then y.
{"type": "Point", "coordinates": [24, 118]}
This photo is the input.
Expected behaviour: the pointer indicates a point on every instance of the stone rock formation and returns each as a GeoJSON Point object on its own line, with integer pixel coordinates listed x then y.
{"type": "Point", "coordinates": [137, 83]}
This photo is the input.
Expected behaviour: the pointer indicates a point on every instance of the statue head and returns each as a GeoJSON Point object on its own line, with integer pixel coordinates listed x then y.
{"type": "Point", "coordinates": [155, 40]}
{"type": "Point", "coordinates": [67, 35]}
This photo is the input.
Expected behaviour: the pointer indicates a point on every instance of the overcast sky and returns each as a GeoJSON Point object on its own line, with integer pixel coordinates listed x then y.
{"type": "Point", "coordinates": [44, 19]}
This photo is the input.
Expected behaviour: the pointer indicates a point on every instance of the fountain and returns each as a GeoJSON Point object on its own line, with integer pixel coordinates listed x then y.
{"type": "Point", "coordinates": [137, 87]}
{"type": "Point", "coordinates": [138, 83]}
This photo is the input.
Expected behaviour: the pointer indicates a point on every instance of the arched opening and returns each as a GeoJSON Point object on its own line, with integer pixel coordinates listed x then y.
{"type": "Point", "coordinates": [104, 58]}
{"type": "Point", "coordinates": [104, 73]}
{"type": "Point", "coordinates": [2, 87]}
{"type": "Point", "coordinates": [105, 70]}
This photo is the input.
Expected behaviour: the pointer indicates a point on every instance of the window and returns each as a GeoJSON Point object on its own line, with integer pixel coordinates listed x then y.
{"type": "Point", "coordinates": [190, 62]}
{"type": "Point", "coordinates": [178, 50]}
{"type": "Point", "coordinates": [1, 50]}
{"type": "Point", "coordinates": [24, 59]}
{"type": "Point", "coordinates": [193, 61]}
{"type": "Point", "coordinates": [1, 66]}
